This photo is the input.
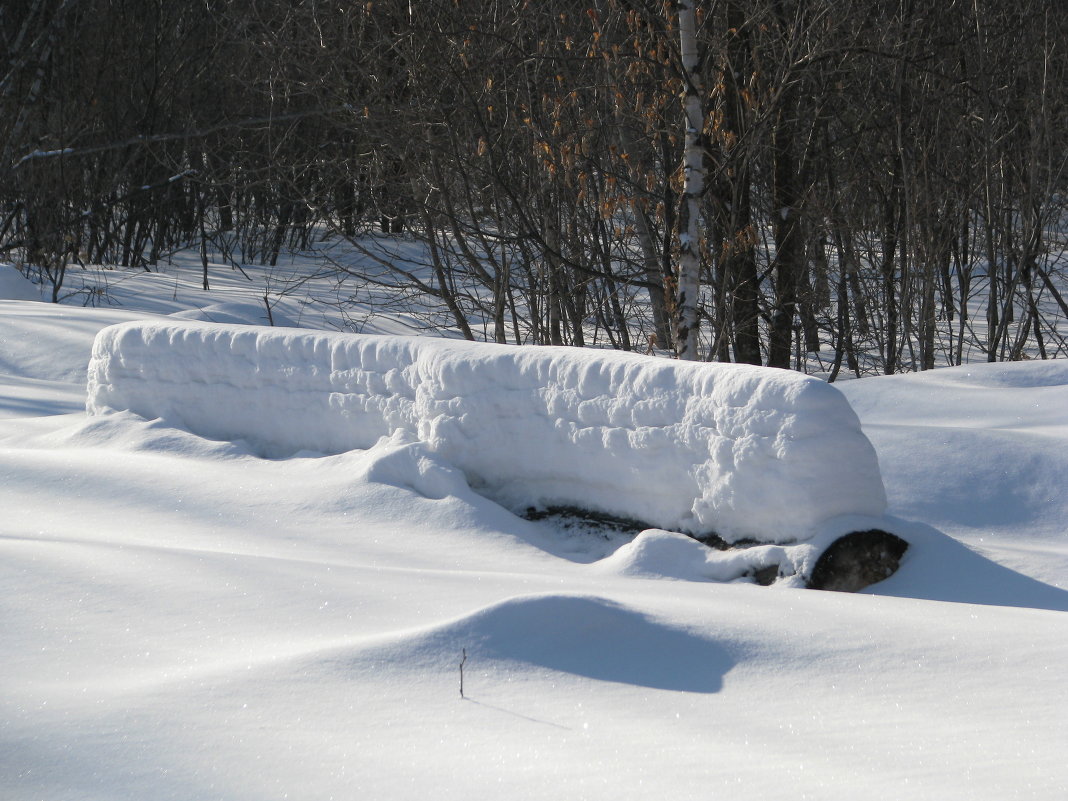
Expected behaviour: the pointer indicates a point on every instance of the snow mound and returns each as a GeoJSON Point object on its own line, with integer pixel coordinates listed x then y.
{"type": "Point", "coordinates": [667, 554]}
{"type": "Point", "coordinates": [739, 451]}
{"type": "Point", "coordinates": [15, 286]}
{"type": "Point", "coordinates": [582, 635]}
{"type": "Point", "coordinates": [233, 312]}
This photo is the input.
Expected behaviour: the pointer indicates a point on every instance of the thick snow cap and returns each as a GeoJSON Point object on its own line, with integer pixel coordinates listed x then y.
{"type": "Point", "coordinates": [742, 452]}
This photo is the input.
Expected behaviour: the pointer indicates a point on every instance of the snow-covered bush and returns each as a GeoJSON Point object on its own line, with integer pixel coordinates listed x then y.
{"type": "Point", "coordinates": [743, 452]}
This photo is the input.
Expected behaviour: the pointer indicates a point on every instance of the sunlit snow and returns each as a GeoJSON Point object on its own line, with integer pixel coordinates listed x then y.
{"type": "Point", "coordinates": [729, 449]}
{"type": "Point", "coordinates": [183, 618]}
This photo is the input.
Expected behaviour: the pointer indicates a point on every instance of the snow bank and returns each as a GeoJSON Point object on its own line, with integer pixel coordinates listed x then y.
{"type": "Point", "coordinates": [993, 443]}
{"type": "Point", "coordinates": [739, 451]}
{"type": "Point", "coordinates": [15, 286]}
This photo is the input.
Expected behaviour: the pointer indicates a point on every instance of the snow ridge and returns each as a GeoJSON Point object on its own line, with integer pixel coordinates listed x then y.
{"type": "Point", "coordinates": [743, 452]}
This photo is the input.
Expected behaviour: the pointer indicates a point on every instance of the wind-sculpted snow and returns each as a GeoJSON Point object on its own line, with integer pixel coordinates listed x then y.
{"type": "Point", "coordinates": [739, 451]}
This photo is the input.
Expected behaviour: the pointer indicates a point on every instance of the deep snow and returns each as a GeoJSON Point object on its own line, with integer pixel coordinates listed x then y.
{"type": "Point", "coordinates": [724, 449]}
{"type": "Point", "coordinates": [183, 619]}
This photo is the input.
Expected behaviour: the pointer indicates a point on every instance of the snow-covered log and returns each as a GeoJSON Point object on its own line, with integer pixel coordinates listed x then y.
{"type": "Point", "coordinates": [742, 452]}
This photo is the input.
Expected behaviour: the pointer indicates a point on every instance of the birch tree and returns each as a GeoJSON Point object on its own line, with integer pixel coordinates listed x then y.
{"type": "Point", "coordinates": [687, 300]}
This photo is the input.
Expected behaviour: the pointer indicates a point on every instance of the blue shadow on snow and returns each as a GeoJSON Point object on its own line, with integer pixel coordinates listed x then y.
{"type": "Point", "coordinates": [594, 638]}
{"type": "Point", "coordinates": [940, 568]}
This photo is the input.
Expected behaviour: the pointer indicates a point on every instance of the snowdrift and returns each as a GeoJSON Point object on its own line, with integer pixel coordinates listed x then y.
{"type": "Point", "coordinates": [737, 451]}
{"type": "Point", "coordinates": [14, 286]}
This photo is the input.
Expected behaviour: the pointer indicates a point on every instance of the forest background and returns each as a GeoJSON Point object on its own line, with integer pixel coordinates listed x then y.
{"type": "Point", "coordinates": [879, 183]}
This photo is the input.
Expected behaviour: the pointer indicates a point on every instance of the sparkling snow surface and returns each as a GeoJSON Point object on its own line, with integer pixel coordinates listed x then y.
{"type": "Point", "coordinates": [183, 619]}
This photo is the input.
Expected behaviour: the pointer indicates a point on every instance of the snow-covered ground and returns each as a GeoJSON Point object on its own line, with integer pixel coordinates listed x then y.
{"type": "Point", "coordinates": [183, 619]}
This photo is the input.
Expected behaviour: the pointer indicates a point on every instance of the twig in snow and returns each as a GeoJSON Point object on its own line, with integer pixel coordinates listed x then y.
{"type": "Point", "coordinates": [462, 661]}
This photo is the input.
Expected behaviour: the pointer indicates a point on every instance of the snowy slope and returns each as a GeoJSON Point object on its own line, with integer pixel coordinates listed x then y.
{"type": "Point", "coordinates": [182, 619]}
{"type": "Point", "coordinates": [979, 452]}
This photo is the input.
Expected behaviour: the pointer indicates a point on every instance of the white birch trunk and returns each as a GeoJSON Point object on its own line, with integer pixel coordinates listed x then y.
{"type": "Point", "coordinates": [689, 271]}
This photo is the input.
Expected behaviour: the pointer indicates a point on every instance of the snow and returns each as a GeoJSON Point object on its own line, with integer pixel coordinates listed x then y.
{"type": "Point", "coordinates": [993, 446]}
{"type": "Point", "coordinates": [14, 287]}
{"type": "Point", "coordinates": [669, 554]}
{"type": "Point", "coordinates": [742, 452]}
{"type": "Point", "coordinates": [181, 618]}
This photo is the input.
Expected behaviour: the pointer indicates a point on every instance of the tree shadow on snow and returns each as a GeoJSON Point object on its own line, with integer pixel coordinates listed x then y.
{"type": "Point", "coordinates": [940, 568]}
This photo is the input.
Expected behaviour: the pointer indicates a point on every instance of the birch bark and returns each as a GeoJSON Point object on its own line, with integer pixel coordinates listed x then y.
{"type": "Point", "coordinates": [689, 272]}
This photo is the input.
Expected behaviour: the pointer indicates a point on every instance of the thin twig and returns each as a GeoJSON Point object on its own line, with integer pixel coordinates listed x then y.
{"type": "Point", "coordinates": [462, 661]}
